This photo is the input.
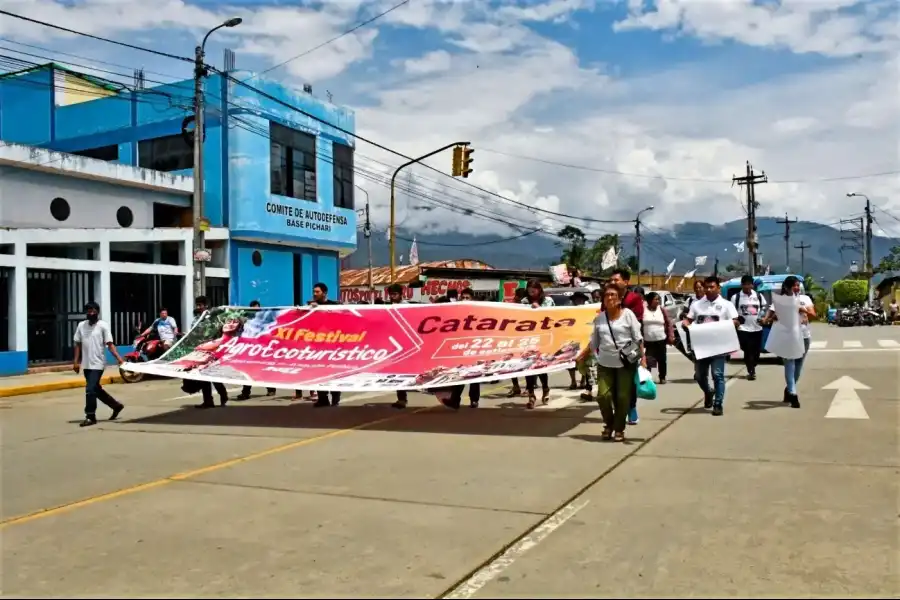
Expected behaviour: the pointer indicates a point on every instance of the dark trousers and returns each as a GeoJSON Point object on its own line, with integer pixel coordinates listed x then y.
{"type": "Point", "coordinates": [657, 352]}
{"type": "Point", "coordinates": [751, 345]}
{"type": "Point", "coordinates": [323, 397]}
{"type": "Point", "coordinates": [474, 393]}
{"type": "Point", "coordinates": [401, 398]}
{"type": "Point", "coordinates": [93, 391]}
{"type": "Point", "coordinates": [207, 389]}
{"type": "Point", "coordinates": [531, 382]}
{"type": "Point", "coordinates": [246, 390]}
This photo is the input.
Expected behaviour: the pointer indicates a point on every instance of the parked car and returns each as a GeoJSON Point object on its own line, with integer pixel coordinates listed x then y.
{"type": "Point", "coordinates": [562, 296]}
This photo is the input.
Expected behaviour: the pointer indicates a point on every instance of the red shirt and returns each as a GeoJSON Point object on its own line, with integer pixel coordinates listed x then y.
{"type": "Point", "coordinates": [635, 303]}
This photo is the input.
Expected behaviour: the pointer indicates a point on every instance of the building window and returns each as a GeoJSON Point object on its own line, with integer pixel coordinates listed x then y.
{"type": "Point", "coordinates": [107, 153]}
{"type": "Point", "coordinates": [169, 153]}
{"type": "Point", "coordinates": [343, 176]}
{"type": "Point", "coordinates": [293, 163]}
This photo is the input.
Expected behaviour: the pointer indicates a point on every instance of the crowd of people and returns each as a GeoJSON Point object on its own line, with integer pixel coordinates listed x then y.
{"type": "Point", "coordinates": [631, 330]}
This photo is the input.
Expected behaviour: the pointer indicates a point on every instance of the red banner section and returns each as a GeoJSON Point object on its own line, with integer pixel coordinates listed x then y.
{"type": "Point", "coordinates": [364, 348]}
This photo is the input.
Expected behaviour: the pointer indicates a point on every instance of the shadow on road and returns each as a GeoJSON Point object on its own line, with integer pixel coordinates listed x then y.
{"type": "Point", "coordinates": [764, 404]}
{"type": "Point", "coordinates": [503, 421]}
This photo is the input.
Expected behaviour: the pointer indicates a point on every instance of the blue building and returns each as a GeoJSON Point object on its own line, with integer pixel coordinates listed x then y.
{"type": "Point", "coordinates": [280, 182]}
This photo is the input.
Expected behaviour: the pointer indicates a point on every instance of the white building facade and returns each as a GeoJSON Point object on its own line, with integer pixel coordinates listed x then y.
{"type": "Point", "coordinates": [76, 229]}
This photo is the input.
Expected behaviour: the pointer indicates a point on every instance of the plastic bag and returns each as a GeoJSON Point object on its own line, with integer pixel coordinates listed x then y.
{"type": "Point", "coordinates": [646, 388]}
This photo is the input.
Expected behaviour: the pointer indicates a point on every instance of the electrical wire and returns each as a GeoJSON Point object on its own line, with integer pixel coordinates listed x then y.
{"type": "Point", "coordinates": [337, 37]}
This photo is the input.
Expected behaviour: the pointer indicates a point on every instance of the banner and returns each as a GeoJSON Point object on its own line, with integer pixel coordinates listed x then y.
{"type": "Point", "coordinates": [365, 348]}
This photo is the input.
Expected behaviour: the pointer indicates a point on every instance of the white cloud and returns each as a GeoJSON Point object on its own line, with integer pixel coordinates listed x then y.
{"type": "Point", "coordinates": [488, 77]}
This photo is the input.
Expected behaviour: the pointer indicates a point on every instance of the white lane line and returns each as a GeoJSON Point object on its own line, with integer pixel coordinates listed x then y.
{"type": "Point", "coordinates": [857, 350]}
{"type": "Point", "coordinates": [852, 344]}
{"type": "Point", "coordinates": [818, 345]}
{"type": "Point", "coordinates": [489, 572]}
{"type": "Point", "coordinates": [889, 343]}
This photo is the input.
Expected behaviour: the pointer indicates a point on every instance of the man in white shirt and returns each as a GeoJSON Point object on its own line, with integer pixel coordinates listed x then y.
{"type": "Point", "coordinates": [711, 307]}
{"type": "Point", "coordinates": [92, 338]}
{"type": "Point", "coordinates": [751, 307]}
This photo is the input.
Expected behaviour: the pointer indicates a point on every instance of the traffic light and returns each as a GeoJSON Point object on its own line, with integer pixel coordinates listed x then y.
{"type": "Point", "coordinates": [457, 161]}
{"type": "Point", "coordinates": [466, 161]}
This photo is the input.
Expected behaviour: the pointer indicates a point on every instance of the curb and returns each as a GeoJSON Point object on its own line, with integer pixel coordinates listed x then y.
{"type": "Point", "coordinates": [53, 386]}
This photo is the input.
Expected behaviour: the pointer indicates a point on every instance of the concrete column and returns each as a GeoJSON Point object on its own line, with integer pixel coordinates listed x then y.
{"type": "Point", "coordinates": [185, 259]}
{"type": "Point", "coordinates": [18, 317]}
{"type": "Point", "coordinates": [102, 284]}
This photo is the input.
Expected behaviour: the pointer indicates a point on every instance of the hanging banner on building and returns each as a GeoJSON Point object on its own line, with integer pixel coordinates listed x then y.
{"type": "Point", "coordinates": [365, 348]}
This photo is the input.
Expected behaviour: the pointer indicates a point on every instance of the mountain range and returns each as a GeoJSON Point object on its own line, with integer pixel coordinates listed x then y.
{"type": "Point", "coordinates": [824, 258]}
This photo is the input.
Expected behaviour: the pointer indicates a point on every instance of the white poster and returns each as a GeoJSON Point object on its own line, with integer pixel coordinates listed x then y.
{"type": "Point", "coordinates": [714, 338]}
{"type": "Point", "coordinates": [785, 339]}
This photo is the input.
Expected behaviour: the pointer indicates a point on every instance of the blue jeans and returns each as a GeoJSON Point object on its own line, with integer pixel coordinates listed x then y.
{"type": "Point", "coordinates": [701, 376]}
{"type": "Point", "coordinates": [792, 369]}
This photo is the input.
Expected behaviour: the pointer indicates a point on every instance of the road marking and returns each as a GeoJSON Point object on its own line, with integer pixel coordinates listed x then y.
{"type": "Point", "coordinates": [33, 516]}
{"type": "Point", "coordinates": [492, 570]}
{"type": "Point", "coordinates": [889, 343]}
{"type": "Point", "coordinates": [855, 350]}
{"type": "Point", "coordinates": [817, 345]}
{"type": "Point", "coordinates": [846, 403]}
{"type": "Point", "coordinates": [852, 344]}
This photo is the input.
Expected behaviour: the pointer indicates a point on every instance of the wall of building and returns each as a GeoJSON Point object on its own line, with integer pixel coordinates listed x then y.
{"type": "Point", "coordinates": [283, 276]}
{"type": "Point", "coordinates": [26, 195]}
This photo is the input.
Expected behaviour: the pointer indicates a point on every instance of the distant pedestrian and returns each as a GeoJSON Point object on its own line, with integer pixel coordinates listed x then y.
{"type": "Point", "coordinates": [92, 339]}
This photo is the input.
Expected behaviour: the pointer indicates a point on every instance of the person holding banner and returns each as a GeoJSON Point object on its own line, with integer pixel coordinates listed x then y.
{"type": "Point", "coordinates": [320, 298]}
{"type": "Point", "coordinates": [618, 348]}
{"type": "Point", "coordinates": [535, 297]}
{"type": "Point", "coordinates": [245, 391]}
{"type": "Point", "coordinates": [395, 296]}
{"type": "Point", "coordinates": [791, 288]}
{"type": "Point", "coordinates": [711, 308]}
{"type": "Point", "coordinates": [516, 390]}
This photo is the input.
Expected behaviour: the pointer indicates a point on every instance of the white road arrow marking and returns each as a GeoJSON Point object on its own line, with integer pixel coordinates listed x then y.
{"type": "Point", "coordinates": [846, 403]}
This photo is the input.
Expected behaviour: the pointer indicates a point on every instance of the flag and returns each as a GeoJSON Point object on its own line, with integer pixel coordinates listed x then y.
{"type": "Point", "coordinates": [414, 253]}
{"type": "Point", "coordinates": [699, 261]}
{"type": "Point", "coordinates": [610, 258]}
{"type": "Point", "coordinates": [739, 246]}
{"type": "Point", "coordinates": [691, 273]}
{"type": "Point", "coordinates": [670, 267]}
{"type": "Point", "coordinates": [685, 276]}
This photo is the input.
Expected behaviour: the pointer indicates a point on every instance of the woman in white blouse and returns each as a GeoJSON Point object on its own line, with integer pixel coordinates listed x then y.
{"type": "Point", "coordinates": [658, 333]}
{"type": "Point", "coordinates": [616, 331]}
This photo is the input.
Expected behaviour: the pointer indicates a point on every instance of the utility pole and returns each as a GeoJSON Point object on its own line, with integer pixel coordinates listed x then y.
{"type": "Point", "coordinates": [751, 180]}
{"type": "Point", "coordinates": [803, 248]}
{"type": "Point", "coordinates": [637, 242]}
{"type": "Point", "coordinates": [200, 256]}
{"type": "Point", "coordinates": [868, 261]}
{"type": "Point", "coordinates": [367, 233]}
{"type": "Point", "coordinates": [787, 240]}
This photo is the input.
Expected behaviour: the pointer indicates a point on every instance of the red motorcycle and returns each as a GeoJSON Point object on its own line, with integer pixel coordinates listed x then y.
{"type": "Point", "coordinates": [146, 348]}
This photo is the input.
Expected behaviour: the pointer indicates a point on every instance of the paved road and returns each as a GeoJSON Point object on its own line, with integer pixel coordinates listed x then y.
{"type": "Point", "coordinates": [273, 498]}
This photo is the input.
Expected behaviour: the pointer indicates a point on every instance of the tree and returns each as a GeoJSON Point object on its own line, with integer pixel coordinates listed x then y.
{"type": "Point", "coordinates": [574, 243]}
{"type": "Point", "coordinates": [891, 262]}
{"type": "Point", "coordinates": [850, 291]}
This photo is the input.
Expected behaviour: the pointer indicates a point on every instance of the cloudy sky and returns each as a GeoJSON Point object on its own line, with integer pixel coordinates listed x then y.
{"type": "Point", "coordinates": [648, 102]}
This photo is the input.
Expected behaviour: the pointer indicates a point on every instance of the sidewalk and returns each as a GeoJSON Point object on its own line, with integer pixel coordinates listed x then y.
{"type": "Point", "coordinates": [39, 383]}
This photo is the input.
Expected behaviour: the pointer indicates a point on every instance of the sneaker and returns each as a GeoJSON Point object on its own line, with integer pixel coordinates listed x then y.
{"type": "Point", "coordinates": [794, 400]}
{"type": "Point", "coordinates": [88, 421]}
{"type": "Point", "coordinates": [708, 398]}
{"type": "Point", "coordinates": [751, 377]}
{"type": "Point", "coordinates": [718, 411]}
{"type": "Point", "coordinates": [633, 417]}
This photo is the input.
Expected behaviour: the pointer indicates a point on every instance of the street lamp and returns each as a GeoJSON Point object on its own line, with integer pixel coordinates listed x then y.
{"type": "Point", "coordinates": [199, 224]}
{"type": "Point", "coordinates": [637, 241]}
{"type": "Point", "coordinates": [868, 262]}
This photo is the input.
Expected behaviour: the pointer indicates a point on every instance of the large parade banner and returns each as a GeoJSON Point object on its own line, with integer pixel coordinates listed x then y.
{"type": "Point", "coordinates": [365, 348]}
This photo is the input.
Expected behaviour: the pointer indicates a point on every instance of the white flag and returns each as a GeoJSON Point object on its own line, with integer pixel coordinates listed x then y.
{"type": "Point", "coordinates": [739, 246]}
{"type": "Point", "coordinates": [699, 261]}
{"type": "Point", "coordinates": [690, 273]}
{"type": "Point", "coordinates": [670, 267]}
{"type": "Point", "coordinates": [414, 253]}
{"type": "Point", "coordinates": [610, 258]}
{"type": "Point", "coordinates": [685, 276]}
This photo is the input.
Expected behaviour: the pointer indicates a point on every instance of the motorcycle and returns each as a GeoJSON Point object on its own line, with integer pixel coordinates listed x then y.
{"type": "Point", "coordinates": [849, 317]}
{"type": "Point", "coordinates": [146, 348]}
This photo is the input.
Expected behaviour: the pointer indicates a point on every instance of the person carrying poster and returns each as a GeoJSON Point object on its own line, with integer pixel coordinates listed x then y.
{"type": "Point", "coordinates": [712, 308]}
{"type": "Point", "coordinates": [782, 341]}
{"type": "Point", "coordinates": [751, 306]}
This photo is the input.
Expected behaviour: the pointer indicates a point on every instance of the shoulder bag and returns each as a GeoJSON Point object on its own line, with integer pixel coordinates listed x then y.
{"type": "Point", "coordinates": [629, 353]}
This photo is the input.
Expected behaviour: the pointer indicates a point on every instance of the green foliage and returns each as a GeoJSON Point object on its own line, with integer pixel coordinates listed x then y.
{"type": "Point", "coordinates": [850, 291]}
{"type": "Point", "coordinates": [575, 250]}
{"type": "Point", "coordinates": [208, 328]}
{"type": "Point", "coordinates": [891, 262]}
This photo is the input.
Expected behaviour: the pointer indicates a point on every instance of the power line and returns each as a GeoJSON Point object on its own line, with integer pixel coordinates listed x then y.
{"type": "Point", "coordinates": [337, 37]}
{"type": "Point", "coordinates": [95, 37]}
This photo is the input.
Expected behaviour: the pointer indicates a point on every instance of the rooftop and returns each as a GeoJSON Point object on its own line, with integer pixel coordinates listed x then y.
{"type": "Point", "coordinates": [406, 273]}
